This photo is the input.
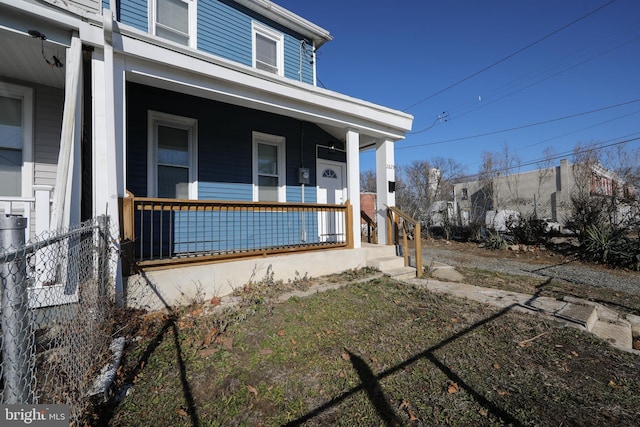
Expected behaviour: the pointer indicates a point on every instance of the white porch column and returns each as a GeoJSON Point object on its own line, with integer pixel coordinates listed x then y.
{"type": "Point", "coordinates": [385, 173]}
{"type": "Point", "coordinates": [108, 136]}
{"type": "Point", "coordinates": [68, 159]}
{"type": "Point", "coordinates": [353, 182]}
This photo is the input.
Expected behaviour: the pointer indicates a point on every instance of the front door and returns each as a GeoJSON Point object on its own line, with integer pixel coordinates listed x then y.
{"type": "Point", "coordinates": [332, 189]}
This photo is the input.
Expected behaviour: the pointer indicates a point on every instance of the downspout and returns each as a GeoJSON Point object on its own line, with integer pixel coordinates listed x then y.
{"type": "Point", "coordinates": [61, 209]}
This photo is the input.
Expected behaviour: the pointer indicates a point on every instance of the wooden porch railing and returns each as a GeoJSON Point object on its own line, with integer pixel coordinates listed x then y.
{"type": "Point", "coordinates": [400, 226]}
{"type": "Point", "coordinates": [170, 231]}
{"type": "Point", "coordinates": [372, 227]}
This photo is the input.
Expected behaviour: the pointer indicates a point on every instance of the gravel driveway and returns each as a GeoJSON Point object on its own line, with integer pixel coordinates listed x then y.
{"type": "Point", "coordinates": [574, 271]}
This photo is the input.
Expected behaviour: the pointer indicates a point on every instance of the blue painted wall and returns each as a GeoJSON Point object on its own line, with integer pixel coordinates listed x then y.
{"type": "Point", "coordinates": [224, 29]}
{"type": "Point", "coordinates": [224, 144]}
{"type": "Point", "coordinates": [224, 173]}
{"type": "Point", "coordinates": [134, 13]}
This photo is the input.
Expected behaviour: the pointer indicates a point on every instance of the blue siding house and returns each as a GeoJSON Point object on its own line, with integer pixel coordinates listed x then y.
{"type": "Point", "coordinates": [197, 125]}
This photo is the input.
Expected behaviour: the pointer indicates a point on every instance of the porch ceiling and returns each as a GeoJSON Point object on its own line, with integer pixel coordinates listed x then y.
{"type": "Point", "coordinates": [25, 59]}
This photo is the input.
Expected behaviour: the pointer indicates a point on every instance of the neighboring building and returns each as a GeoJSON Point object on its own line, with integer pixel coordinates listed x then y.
{"type": "Point", "coordinates": [202, 118]}
{"type": "Point", "coordinates": [368, 205]}
{"type": "Point", "coordinates": [543, 192]}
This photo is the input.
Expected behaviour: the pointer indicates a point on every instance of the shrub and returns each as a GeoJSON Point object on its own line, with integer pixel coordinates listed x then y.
{"type": "Point", "coordinates": [611, 245]}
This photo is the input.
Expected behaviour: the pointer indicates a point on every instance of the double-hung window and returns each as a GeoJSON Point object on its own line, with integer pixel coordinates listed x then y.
{"type": "Point", "coordinates": [16, 122]}
{"type": "Point", "coordinates": [268, 49]}
{"type": "Point", "coordinates": [174, 20]}
{"type": "Point", "coordinates": [268, 168]}
{"type": "Point", "coordinates": [172, 156]}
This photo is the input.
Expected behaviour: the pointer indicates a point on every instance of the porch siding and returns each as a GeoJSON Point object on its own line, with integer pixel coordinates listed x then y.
{"type": "Point", "coordinates": [219, 232]}
{"type": "Point", "coordinates": [225, 191]}
{"type": "Point", "coordinates": [48, 125]}
{"type": "Point", "coordinates": [224, 144]}
{"type": "Point", "coordinates": [294, 194]}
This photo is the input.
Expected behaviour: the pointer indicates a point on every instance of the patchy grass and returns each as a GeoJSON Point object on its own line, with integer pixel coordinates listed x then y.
{"type": "Point", "coordinates": [370, 353]}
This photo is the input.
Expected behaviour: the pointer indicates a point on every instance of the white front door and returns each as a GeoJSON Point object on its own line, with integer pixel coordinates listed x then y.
{"type": "Point", "coordinates": [332, 189]}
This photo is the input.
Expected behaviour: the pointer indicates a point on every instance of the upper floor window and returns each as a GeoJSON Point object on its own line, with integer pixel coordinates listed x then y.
{"type": "Point", "coordinates": [268, 49]}
{"type": "Point", "coordinates": [174, 20]}
{"type": "Point", "coordinates": [465, 194]}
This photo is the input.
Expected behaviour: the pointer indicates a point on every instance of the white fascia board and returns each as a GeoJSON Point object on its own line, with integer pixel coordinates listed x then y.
{"type": "Point", "coordinates": [58, 26]}
{"type": "Point", "coordinates": [53, 14]}
{"type": "Point", "coordinates": [202, 74]}
{"type": "Point", "coordinates": [288, 19]}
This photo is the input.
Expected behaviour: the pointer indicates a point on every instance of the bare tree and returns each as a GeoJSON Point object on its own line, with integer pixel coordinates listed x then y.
{"type": "Point", "coordinates": [368, 181]}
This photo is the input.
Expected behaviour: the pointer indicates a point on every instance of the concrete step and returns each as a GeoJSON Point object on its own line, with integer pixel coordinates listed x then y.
{"type": "Point", "coordinates": [402, 273]}
{"type": "Point", "coordinates": [584, 315]}
{"type": "Point", "coordinates": [386, 263]}
{"type": "Point", "coordinates": [445, 272]}
{"type": "Point", "coordinates": [617, 334]}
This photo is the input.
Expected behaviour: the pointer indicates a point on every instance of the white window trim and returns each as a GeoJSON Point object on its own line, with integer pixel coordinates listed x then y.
{"type": "Point", "coordinates": [280, 142]}
{"type": "Point", "coordinates": [26, 95]}
{"type": "Point", "coordinates": [193, 19]}
{"type": "Point", "coordinates": [257, 28]}
{"type": "Point", "coordinates": [156, 118]}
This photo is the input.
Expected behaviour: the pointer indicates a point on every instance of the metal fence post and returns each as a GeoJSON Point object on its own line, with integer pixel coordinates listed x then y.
{"type": "Point", "coordinates": [15, 322]}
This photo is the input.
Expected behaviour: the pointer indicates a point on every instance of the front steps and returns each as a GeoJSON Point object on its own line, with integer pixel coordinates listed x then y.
{"type": "Point", "coordinates": [384, 259]}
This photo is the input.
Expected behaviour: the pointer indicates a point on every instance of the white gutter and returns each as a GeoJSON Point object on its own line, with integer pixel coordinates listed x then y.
{"type": "Point", "coordinates": [61, 200]}
{"type": "Point", "coordinates": [289, 19]}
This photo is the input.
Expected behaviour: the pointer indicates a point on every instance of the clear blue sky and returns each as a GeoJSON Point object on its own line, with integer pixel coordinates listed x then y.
{"type": "Point", "coordinates": [422, 57]}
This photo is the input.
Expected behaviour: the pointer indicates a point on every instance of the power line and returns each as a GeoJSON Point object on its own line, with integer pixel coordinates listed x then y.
{"type": "Point", "coordinates": [520, 127]}
{"type": "Point", "coordinates": [509, 56]}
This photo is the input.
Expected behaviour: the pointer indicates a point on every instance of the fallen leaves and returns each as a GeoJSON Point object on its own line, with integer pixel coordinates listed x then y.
{"type": "Point", "coordinates": [453, 387]}
{"type": "Point", "coordinates": [405, 406]}
{"type": "Point", "coordinates": [253, 390]}
{"type": "Point", "coordinates": [613, 384]}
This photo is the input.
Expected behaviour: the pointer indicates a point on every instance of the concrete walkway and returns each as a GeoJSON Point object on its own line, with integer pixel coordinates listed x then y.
{"type": "Point", "coordinates": [592, 317]}
{"type": "Point", "coordinates": [582, 314]}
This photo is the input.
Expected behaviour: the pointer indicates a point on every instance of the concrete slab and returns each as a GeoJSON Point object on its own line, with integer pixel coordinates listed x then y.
{"type": "Point", "coordinates": [402, 273]}
{"type": "Point", "coordinates": [577, 313]}
{"type": "Point", "coordinates": [618, 335]}
{"type": "Point", "coordinates": [584, 315]}
{"type": "Point", "coordinates": [445, 272]}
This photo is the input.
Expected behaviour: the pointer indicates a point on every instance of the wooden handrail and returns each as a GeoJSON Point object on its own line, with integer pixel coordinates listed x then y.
{"type": "Point", "coordinates": [372, 227]}
{"type": "Point", "coordinates": [402, 215]}
{"type": "Point", "coordinates": [396, 219]}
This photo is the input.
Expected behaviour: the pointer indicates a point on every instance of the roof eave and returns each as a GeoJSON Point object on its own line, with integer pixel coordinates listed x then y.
{"type": "Point", "coordinates": [289, 19]}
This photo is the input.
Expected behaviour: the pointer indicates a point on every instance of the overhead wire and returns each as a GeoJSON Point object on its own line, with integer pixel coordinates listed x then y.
{"type": "Point", "coordinates": [520, 127]}
{"type": "Point", "coordinates": [511, 55]}
{"type": "Point", "coordinates": [471, 106]}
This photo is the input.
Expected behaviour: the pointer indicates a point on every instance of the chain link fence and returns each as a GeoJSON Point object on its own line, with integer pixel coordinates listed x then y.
{"type": "Point", "coordinates": [57, 313]}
